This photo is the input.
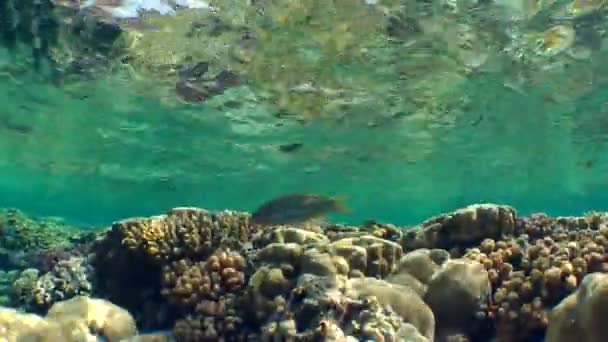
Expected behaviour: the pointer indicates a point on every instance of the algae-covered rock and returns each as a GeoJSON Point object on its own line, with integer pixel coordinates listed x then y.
{"type": "Point", "coordinates": [462, 227]}
{"type": "Point", "coordinates": [19, 232]}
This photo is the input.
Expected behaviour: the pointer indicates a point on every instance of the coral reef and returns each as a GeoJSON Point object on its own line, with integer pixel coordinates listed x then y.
{"type": "Point", "coordinates": [477, 273]}
{"type": "Point", "coordinates": [136, 255]}
{"type": "Point", "coordinates": [532, 270]}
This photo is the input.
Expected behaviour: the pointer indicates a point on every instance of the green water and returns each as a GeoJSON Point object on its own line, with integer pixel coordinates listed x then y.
{"type": "Point", "coordinates": [99, 150]}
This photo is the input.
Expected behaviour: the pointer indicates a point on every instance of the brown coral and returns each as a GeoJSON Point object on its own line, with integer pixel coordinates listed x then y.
{"type": "Point", "coordinates": [130, 258]}
{"type": "Point", "coordinates": [300, 273]}
{"type": "Point", "coordinates": [184, 232]}
{"type": "Point", "coordinates": [533, 272]}
{"type": "Point", "coordinates": [201, 328]}
{"type": "Point", "coordinates": [211, 290]}
{"type": "Point", "coordinates": [202, 285]}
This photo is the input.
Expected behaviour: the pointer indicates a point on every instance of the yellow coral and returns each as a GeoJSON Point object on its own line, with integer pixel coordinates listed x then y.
{"type": "Point", "coordinates": [183, 232]}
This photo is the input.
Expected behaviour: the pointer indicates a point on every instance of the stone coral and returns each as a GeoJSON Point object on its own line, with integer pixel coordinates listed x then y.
{"type": "Point", "coordinates": [535, 269]}
{"type": "Point", "coordinates": [15, 324]}
{"type": "Point", "coordinates": [209, 288]}
{"type": "Point", "coordinates": [202, 285]}
{"type": "Point", "coordinates": [132, 254]}
{"type": "Point", "coordinates": [183, 232]}
{"type": "Point", "coordinates": [208, 328]}
{"type": "Point", "coordinates": [455, 293]}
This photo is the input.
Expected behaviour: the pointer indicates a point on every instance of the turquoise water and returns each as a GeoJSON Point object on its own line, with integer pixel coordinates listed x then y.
{"type": "Point", "coordinates": [98, 150]}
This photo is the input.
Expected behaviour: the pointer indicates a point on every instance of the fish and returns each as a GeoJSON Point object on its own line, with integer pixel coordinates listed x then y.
{"type": "Point", "coordinates": [297, 208]}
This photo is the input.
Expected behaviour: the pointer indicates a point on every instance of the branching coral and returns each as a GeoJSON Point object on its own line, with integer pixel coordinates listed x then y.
{"type": "Point", "coordinates": [534, 271]}
{"type": "Point", "coordinates": [202, 285]}
{"type": "Point", "coordinates": [211, 289]}
{"type": "Point", "coordinates": [184, 232]}
{"type": "Point", "coordinates": [173, 254]}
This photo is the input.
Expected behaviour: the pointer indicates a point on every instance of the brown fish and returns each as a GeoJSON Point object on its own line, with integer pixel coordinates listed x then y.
{"type": "Point", "coordinates": [297, 208]}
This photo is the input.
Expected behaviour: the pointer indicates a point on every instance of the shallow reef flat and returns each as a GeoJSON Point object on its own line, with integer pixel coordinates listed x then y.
{"type": "Point", "coordinates": [479, 273]}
